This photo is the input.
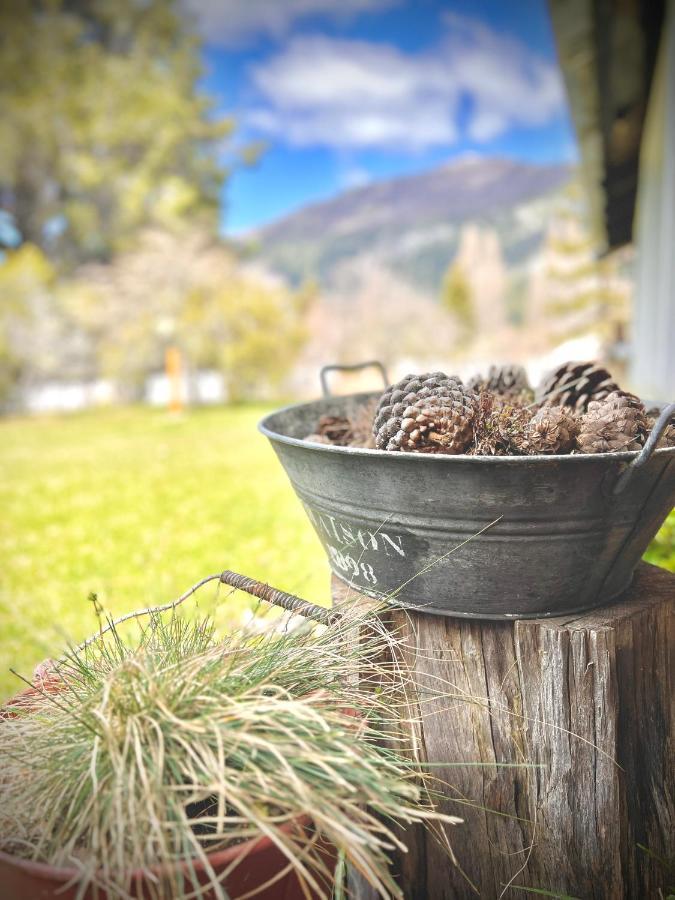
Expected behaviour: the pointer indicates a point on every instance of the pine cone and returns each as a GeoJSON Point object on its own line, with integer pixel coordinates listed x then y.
{"type": "Point", "coordinates": [336, 430]}
{"type": "Point", "coordinates": [498, 427]}
{"type": "Point", "coordinates": [552, 429]}
{"type": "Point", "coordinates": [430, 413]}
{"type": "Point", "coordinates": [614, 424]}
{"type": "Point", "coordinates": [667, 439]}
{"type": "Point", "coordinates": [507, 381]}
{"type": "Point", "coordinates": [575, 384]}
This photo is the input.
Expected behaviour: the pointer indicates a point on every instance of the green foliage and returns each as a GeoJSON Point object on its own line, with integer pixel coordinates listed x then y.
{"type": "Point", "coordinates": [134, 505]}
{"type": "Point", "coordinates": [182, 286]}
{"type": "Point", "coordinates": [585, 293]}
{"type": "Point", "coordinates": [186, 287]}
{"type": "Point", "coordinates": [102, 129]}
{"type": "Point", "coordinates": [457, 298]}
{"type": "Point", "coordinates": [249, 331]}
{"type": "Point", "coordinates": [661, 551]}
{"type": "Point", "coordinates": [516, 298]}
{"type": "Point", "coordinates": [24, 274]}
{"type": "Point", "coordinates": [104, 136]}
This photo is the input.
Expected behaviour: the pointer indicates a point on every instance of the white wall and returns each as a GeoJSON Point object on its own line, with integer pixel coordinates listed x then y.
{"type": "Point", "coordinates": [653, 356]}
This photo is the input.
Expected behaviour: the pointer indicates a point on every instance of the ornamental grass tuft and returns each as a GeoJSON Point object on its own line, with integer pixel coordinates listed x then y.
{"type": "Point", "coordinates": [169, 746]}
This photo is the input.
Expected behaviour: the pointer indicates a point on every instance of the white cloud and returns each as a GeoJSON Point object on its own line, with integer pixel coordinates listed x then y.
{"type": "Point", "coordinates": [354, 177]}
{"type": "Point", "coordinates": [355, 94]}
{"type": "Point", "coordinates": [229, 23]}
{"type": "Point", "coordinates": [504, 76]}
{"type": "Point", "coordinates": [486, 124]}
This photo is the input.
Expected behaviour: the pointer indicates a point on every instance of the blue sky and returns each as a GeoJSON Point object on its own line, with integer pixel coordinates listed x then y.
{"type": "Point", "coordinates": [345, 92]}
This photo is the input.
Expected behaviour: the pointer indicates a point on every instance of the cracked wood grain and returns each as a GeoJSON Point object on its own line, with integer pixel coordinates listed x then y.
{"type": "Point", "coordinates": [584, 706]}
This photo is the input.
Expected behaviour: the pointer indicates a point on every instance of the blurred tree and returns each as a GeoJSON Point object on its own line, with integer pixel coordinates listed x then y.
{"type": "Point", "coordinates": [585, 294]}
{"type": "Point", "coordinates": [457, 298]}
{"type": "Point", "coordinates": [186, 287]}
{"type": "Point", "coordinates": [249, 331]}
{"type": "Point", "coordinates": [102, 129]}
{"type": "Point", "coordinates": [516, 298]}
{"type": "Point", "coordinates": [25, 277]}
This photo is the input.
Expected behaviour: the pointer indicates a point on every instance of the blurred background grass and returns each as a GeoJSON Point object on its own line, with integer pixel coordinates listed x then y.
{"type": "Point", "coordinates": [136, 506]}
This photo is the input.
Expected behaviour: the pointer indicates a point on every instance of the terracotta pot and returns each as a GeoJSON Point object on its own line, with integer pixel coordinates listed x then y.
{"type": "Point", "coordinates": [262, 862]}
{"type": "Point", "coordinates": [263, 867]}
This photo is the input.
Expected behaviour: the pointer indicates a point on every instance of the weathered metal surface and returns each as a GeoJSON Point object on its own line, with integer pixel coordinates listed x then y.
{"type": "Point", "coordinates": [484, 537]}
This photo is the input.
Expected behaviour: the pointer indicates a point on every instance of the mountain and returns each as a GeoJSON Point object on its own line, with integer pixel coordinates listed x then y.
{"type": "Point", "coordinates": [413, 225]}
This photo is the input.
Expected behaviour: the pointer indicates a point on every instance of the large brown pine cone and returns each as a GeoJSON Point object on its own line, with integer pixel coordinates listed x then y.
{"type": "Point", "coordinates": [430, 413]}
{"type": "Point", "coordinates": [575, 384]}
{"type": "Point", "coordinates": [508, 381]}
{"type": "Point", "coordinates": [552, 429]}
{"type": "Point", "coordinates": [614, 424]}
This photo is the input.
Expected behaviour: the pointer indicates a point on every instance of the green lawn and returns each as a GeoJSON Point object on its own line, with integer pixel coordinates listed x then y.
{"type": "Point", "coordinates": [137, 506]}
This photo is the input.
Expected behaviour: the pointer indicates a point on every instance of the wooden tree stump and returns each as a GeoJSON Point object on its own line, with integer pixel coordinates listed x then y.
{"type": "Point", "coordinates": [581, 711]}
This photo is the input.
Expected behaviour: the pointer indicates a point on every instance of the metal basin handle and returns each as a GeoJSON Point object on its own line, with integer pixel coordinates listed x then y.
{"type": "Point", "coordinates": [269, 594]}
{"type": "Point", "coordinates": [374, 363]}
{"type": "Point", "coordinates": [259, 589]}
{"type": "Point", "coordinates": [661, 424]}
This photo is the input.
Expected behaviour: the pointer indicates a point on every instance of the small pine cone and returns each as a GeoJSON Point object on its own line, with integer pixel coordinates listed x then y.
{"type": "Point", "coordinates": [552, 429]}
{"type": "Point", "coordinates": [507, 381]}
{"type": "Point", "coordinates": [336, 430]}
{"type": "Point", "coordinates": [498, 427]}
{"type": "Point", "coordinates": [667, 439]}
{"type": "Point", "coordinates": [575, 384]}
{"type": "Point", "coordinates": [430, 413]}
{"type": "Point", "coordinates": [614, 424]}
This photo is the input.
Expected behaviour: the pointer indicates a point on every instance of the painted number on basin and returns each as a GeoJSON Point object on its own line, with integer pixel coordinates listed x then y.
{"type": "Point", "coordinates": [359, 553]}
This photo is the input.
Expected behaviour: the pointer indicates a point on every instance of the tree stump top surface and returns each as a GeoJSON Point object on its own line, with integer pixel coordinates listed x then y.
{"type": "Point", "coordinates": [651, 585]}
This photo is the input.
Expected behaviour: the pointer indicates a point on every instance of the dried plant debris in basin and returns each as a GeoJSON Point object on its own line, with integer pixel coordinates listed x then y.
{"type": "Point", "coordinates": [508, 381]}
{"type": "Point", "coordinates": [362, 423]}
{"type": "Point", "coordinates": [171, 748]}
{"type": "Point", "coordinates": [354, 430]}
{"type": "Point", "coordinates": [430, 413]}
{"type": "Point", "coordinates": [499, 426]}
{"type": "Point", "coordinates": [503, 429]}
{"type": "Point", "coordinates": [336, 430]}
{"type": "Point", "coordinates": [580, 409]}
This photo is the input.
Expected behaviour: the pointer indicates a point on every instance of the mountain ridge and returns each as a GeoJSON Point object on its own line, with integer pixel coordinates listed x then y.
{"type": "Point", "coordinates": [537, 177]}
{"type": "Point", "coordinates": [412, 224]}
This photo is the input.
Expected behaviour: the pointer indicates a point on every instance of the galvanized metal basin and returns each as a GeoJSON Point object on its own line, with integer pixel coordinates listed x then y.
{"type": "Point", "coordinates": [484, 537]}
